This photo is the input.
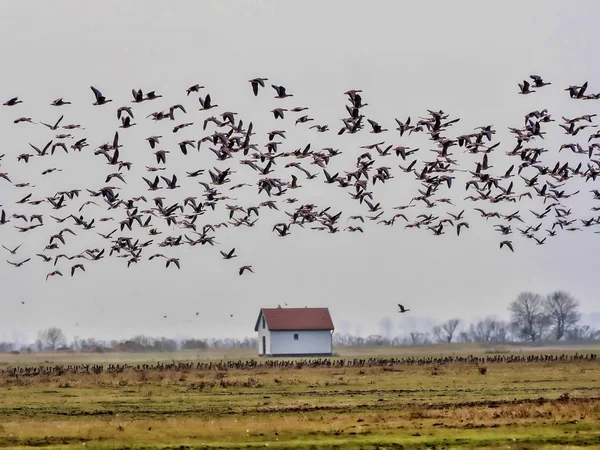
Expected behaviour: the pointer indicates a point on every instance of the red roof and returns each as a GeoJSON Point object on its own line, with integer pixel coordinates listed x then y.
{"type": "Point", "coordinates": [296, 319]}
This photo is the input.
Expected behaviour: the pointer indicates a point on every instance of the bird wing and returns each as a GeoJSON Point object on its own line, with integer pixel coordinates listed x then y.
{"type": "Point", "coordinates": [97, 93]}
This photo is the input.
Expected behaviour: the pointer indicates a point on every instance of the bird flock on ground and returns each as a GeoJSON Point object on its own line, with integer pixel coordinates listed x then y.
{"type": "Point", "coordinates": [252, 364]}
{"type": "Point", "coordinates": [130, 226]}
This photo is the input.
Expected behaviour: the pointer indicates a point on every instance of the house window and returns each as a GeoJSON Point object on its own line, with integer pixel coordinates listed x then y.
{"type": "Point", "coordinates": [295, 336]}
{"type": "Point", "coordinates": [263, 321]}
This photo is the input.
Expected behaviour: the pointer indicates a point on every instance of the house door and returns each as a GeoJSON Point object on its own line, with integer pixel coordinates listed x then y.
{"type": "Point", "coordinates": [264, 345]}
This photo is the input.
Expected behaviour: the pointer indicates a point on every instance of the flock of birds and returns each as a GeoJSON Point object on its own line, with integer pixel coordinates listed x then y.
{"type": "Point", "coordinates": [253, 364]}
{"type": "Point", "coordinates": [224, 136]}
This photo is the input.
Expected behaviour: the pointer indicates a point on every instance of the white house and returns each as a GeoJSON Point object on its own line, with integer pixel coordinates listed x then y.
{"type": "Point", "coordinates": [294, 332]}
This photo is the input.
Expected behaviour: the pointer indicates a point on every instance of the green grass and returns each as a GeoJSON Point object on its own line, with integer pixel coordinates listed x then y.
{"type": "Point", "coordinates": [517, 405]}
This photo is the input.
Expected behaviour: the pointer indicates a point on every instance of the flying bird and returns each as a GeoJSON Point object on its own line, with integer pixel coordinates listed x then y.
{"type": "Point", "coordinates": [100, 99]}
{"type": "Point", "coordinates": [243, 268]}
{"type": "Point", "coordinates": [402, 309]}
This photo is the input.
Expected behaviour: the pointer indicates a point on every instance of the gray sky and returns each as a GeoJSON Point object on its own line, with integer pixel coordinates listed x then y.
{"type": "Point", "coordinates": [464, 57]}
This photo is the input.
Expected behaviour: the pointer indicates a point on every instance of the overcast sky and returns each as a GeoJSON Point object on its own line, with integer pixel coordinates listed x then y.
{"type": "Point", "coordinates": [463, 57]}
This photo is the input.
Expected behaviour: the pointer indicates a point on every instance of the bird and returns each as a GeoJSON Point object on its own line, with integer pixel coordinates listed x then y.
{"type": "Point", "coordinates": [12, 102]}
{"type": "Point", "coordinates": [60, 102]}
{"type": "Point", "coordinates": [194, 88]}
{"type": "Point", "coordinates": [23, 119]}
{"type": "Point", "coordinates": [538, 81]}
{"type": "Point", "coordinates": [402, 309]}
{"type": "Point", "coordinates": [13, 251]}
{"type": "Point", "coordinates": [243, 268]}
{"type": "Point", "coordinates": [281, 92]}
{"type": "Point", "coordinates": [173, 261]}
{"type": "Point", "coordinates": [206, 103]}
{"type": "Point", "coordinates": [228, 255]}
{"type": "Point", "coordinates": [19, 264]}
{"type": "Point", "coordinates": [255, 82]}
{"type": "Point", "coordinates": [100, 99]}
{"type": "Point", "coordinates": [53, 273]}
{"type": "Point", "coordinates": [75, 267]}
{"type": "Point", "coordinates": [525, 88]}
{"type": "Point", "coordinates": [533, 177]}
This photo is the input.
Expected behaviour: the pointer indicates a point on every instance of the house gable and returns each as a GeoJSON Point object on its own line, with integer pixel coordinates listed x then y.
{"type": "Point", "coordinates": [261, 322]}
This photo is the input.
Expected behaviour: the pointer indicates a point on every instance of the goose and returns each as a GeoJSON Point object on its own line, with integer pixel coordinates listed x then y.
{"type": "Point", "coordinates": [100, 99]}
{"type": "Point", "coordinates": [282, 228]}
{"type": "Point", "coordinates": [281, 93]}
{"type": "Point", "coordinates": [376, 127]}
{"type": "Point", "coordinates": [194, 88]}
{"type": "Point", "coordinates": [24, 119]}
{"type": "Point", "coordinates": [126, 122]}
{"type": "Point", "coordinates": [53, 273]}
{"type": "Point", "coordinates": [403, 127]}
{"type": "Point", "coordinates": [19, 264]}
{"type": "Point", "coordinates": [303, 119]}
{"type": "Point", "coordinates": [173, 261]}
{"type": "Point", "coordinates": [173, 108]}
{"type": "Point", "coordinates": [3, 219]}
{"type": "Point", "coordinates": [13, 251]}
{"type": "Point", "coordinates": [153, 140]}
{"type": "Point", "coordinates": [402, 309]}
{"type": "Point", "coordinates": [152, 95]}
{"type": "Point", "coordinates": [228, 255]}
{"type": "Point", "coordinates": [206, 103]}
{"type": "Point", "coordinates": [321, 128]}
{"type": "Point", "coordinates": [525, 88]}
{"type": "Point", "coordinates": [172, 183]}
{"type": "Point", "coordinates": [75, 267]}
{"type": "Point", "coordinates": [55, 126]}
{"type": "Point", "coordinates": [255, 82]}
{"type": "Point", "coordinates": [184, 144]}
{"type": "Point", "coordinates": [124, 109]}
{"type": "Point", "coordinates": [183, 125]}
{"type": "Point", "coordinates": [152, 185]}
{"type": "Point", "coordinates": [538, 81]}
{"type": "Point", "coordinates": [459, 226]}
{"type": "Point", "coordinates": [278, 113]}
{"type": "Point", "coordinates": [243, 268]}
{"type": "Point", "coordinates": [59, 102]}
{"type": "Point", "coordinates": [12, 102]}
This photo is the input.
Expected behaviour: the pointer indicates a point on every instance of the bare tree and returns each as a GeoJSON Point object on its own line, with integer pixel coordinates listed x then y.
{"type": "Point", "coordinates": [418, 338]}
{"type": "Point", "coordinates": [376, 339]}
{"type": "Point", "coordinates": [465, 336]}
{"type": "Point", "coordinates": [482, 330]}
{"type": "Point", "coordinates": [528, 316]}
{"type": "Point", "coordinates": [488, 330]}
{"type": "Point", "coordinates": [51, 339]}
{"type": "Point", "coordinates": [445, 332]}
{"type": "Point", "coordinates": [438, 333]}
{"type": "Point", "coordinates": [449, 328]}
{"type": "Point", "coordinates": [562, 311]}
{"type": "Point", "coordinates": [582, 333]}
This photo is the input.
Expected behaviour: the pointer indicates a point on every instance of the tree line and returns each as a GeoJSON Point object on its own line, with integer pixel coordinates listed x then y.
{"type": "Point", "coordinates": [533, 318]}
{"type": "Point", "coordinates": [54, 339]}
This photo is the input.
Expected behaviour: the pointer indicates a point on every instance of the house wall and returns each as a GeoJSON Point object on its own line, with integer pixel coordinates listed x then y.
{"type": "Point", "coordinates": [263, 332]}
{"type": "Point", "coordinates": [283, 343]}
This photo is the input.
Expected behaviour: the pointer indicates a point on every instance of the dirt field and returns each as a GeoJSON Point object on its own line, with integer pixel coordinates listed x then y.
{"type": "Point", "coordinates": [438, 397]}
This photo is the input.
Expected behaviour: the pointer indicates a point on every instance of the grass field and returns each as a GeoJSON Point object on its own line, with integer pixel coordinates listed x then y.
{"type": "Point", "coordinates": [513, 405]}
